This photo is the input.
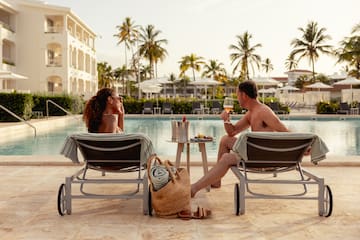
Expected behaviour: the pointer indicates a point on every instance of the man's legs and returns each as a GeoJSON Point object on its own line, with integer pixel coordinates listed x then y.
{"type": "Point", "coordinates": [226, 144]}
{"type": "Point", "coordinates": [216, 173]}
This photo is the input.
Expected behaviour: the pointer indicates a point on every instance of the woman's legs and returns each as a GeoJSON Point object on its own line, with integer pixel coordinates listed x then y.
{"type": "Point", "coordinates": [225, 146]}
{"type": "Point", "coordinates": [216, 173]}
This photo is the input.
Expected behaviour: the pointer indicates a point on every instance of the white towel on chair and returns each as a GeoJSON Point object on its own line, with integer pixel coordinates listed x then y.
{"type": "Point", "coordinates": [318, 147]}
{"type": "Point", "coordinates": [69, 148]}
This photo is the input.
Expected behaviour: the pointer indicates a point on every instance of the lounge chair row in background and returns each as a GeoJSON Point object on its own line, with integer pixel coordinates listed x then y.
{"type": "Point", "coordinates": [197, 108]}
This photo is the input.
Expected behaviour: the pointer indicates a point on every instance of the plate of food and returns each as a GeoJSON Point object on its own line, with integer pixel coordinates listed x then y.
{"type": "Point", "coordinates": [202, 138]}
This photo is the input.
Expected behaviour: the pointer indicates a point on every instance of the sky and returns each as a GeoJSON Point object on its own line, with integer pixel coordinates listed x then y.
{"type": "Point", "coordinates": [208, 27]}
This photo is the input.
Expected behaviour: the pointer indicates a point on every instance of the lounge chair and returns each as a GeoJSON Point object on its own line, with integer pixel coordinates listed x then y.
{"type": "Point", "coordinates": [166, 108]}
{"type": "Point", "coordinates": [117, 153]}
{"type": "Point", "coordinates": [274, 153]}
{"type": "Point", "coordinates": [276, 108]}
{"type": "Point", "coordinates": [343, 108]}
{"type": "Point", "coordinates": [216, 107]}
{"type": "Point", "coordinates": [196, 108]}
{"type": "Point", "coordinates": [148, 108]}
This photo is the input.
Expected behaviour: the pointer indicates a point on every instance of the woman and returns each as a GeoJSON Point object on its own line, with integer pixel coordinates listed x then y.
{"type": "Point", "coordinates": [104, 112]}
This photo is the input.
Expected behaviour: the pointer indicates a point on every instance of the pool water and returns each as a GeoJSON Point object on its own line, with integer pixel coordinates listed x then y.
{"type": "Point", "coordinates": [341, 136]}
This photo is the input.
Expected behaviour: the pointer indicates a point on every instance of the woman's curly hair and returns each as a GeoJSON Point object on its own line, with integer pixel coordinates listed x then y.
{"type": "Point", "coordinates": [94, 109]}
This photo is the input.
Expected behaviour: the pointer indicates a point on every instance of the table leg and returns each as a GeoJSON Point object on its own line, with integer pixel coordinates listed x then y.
{"type": "Point", "coordinates": [202, 149]}
{"type": "Point", "coordinates": [188, 157]}
{"type": "Point", "coordinates": [180, 148]}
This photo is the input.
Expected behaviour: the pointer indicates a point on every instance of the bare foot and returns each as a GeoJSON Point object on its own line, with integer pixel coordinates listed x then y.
{"type": "Point", "coordinates": [216, 185]}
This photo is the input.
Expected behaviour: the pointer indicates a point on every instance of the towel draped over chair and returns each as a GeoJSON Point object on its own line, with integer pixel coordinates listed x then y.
{"type": "Point", "coordinates": [70, 151]}
{"type": "Point", "coordinates": [318, 147]}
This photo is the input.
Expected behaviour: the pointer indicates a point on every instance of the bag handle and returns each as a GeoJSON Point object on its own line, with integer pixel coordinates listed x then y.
{"type": "Point", "coordinates": [168, 165]}
{"type": "Point", "coordinates": [155, 158]}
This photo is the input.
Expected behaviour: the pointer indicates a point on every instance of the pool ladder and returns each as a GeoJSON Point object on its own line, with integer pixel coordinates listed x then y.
{"type": "Point", "coordinates": [56, 105]}
{"type": "Point", "coordinates": [19, 118]}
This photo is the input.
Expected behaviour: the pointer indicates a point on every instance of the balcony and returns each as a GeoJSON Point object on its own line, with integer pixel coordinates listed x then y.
{"type": "Point", "coordinates": [54, 29]}
{"type": "Point", "coordinates": [54, 63]}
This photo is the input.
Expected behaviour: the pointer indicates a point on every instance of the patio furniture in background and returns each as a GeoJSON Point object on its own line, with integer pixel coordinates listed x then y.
{"type": "Point", "coordinates": [216, 107]}
{"type": "Point", "coordinates": [344, 108]}
{"type": "Point", "coordinates": [196, 108]}
{"type": "Point", "coordinates": [275, 106]}
{"type": "Point", "coordinates": [167, 108]}
{"type": "Point", "coordinates": [148, 108]}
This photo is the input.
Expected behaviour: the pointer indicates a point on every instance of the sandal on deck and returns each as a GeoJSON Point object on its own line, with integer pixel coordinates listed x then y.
{"type": "Point", "coordinates": [201, 213]}
{"type": "Point", "coordinates": [185, 215]}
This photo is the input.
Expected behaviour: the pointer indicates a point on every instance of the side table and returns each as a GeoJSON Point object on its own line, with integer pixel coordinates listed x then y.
{"type": "Point", "coordinates": [202, 149]}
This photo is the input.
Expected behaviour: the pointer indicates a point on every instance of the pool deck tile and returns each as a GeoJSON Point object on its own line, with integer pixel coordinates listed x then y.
{"type": "Point", "coordinates": [29, 194]}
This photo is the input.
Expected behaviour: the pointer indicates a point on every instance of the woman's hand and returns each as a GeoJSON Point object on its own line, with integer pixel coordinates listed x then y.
{"type": "Point", "coordinates": [119, 107]}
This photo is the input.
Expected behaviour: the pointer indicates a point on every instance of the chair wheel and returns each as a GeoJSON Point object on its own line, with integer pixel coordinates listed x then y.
{"type": "Point", "coordinates": [328, 201]}
{"type": "Point", "coordinates": [150, 202]}
{"type": "Point", "coordinates": [61, 200]}
{"type": "Point", "coordinates": [237, 199]}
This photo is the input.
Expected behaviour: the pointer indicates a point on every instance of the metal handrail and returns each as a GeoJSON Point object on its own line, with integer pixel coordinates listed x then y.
{"type": "Point", "coordinates": [19, 118]}
{"type": "Point", "coordinates": [57, 105]}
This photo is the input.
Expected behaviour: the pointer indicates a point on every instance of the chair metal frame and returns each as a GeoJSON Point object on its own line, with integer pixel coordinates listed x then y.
{"type": "Point", "coordinates": [106, 163]}
{"type": "Point", "coordinates": [274, 166]}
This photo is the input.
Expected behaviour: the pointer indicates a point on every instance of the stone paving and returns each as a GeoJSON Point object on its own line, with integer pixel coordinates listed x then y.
{"type": "Point", "coordinates": [29, 194]}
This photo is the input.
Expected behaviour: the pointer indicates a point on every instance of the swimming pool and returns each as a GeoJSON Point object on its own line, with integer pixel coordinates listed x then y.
{"type": "Point", "coordinates": [341, 136]}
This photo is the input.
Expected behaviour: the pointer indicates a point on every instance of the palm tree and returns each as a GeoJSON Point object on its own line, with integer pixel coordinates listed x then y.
{"type": "Point", "coordinates": [214, 70]}
{"type": "Point", "coordinates": [150, 47]}
{"type": "Point", "coordinates": [121, 74]}
{"type": "Point", "coordinates": [128, 32]}
{"type": "Point", "coordinates": [267, 65]}
{"type": "Point", "coordinates": [145, 71]}
{"type": "Point", "coordinates": [311, 43]}
{"type": "Point", "coordinates": [350, 53]}
{"type": "Point", "coordinates": [190, 61]}
{"type": "Point", "coordinates": [105, 75]}
{"type": "Point", "coordinates": [356, 28]}
{"type": "Point", "coordinates": [244, 55]}
{"type": "Point", "coordinates": [290, 63]}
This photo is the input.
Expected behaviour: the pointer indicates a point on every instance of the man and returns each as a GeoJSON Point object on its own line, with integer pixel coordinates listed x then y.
{"type": "Point", "coordinates": [259, 117]}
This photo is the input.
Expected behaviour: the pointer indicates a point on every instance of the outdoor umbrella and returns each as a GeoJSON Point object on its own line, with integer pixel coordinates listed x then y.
{"type": "Point", "coordinates": [318, 86]}
{"type": "Point", "coordinates": [205, 82]}
{"type": "Point", "coordinates": [289, 88]}
{"type": "Point", "coordinates": [149, 89]}
{"type": "Point", "coordinates": [349, 81]}
{"type": "Point", "coordinates": [8, 75]}
{"type": "Point", "coordinates": [262, 81]}
{"type": "Point", "coordinates": [157, 81]}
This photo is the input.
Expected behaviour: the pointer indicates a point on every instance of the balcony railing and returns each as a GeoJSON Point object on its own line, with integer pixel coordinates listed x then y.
{"type": "Point", "coordinates": [7, 26]}
{"type": "Point", "coordinates": [53, 29]}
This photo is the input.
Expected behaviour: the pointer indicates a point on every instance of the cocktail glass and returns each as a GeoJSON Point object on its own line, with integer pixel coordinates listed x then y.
{"type": "Point", "coordinates": [228, 104]}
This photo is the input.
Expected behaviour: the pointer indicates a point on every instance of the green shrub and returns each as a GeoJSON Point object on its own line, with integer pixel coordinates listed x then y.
{"type": "Point", "coordinates": [326, 107]}
{"type": "Point", "coordinates": [19, 103]}
{"type": "Point", "coordinates": [73, 104]}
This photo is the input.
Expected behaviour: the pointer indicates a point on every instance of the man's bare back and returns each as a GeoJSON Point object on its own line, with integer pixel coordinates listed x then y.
{"type": "Point", "coordinates": [262, 118]}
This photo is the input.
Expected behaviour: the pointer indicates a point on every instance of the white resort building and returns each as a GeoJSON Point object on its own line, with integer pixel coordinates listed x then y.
{"type": "Point", "coordinates": [45, 48]}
